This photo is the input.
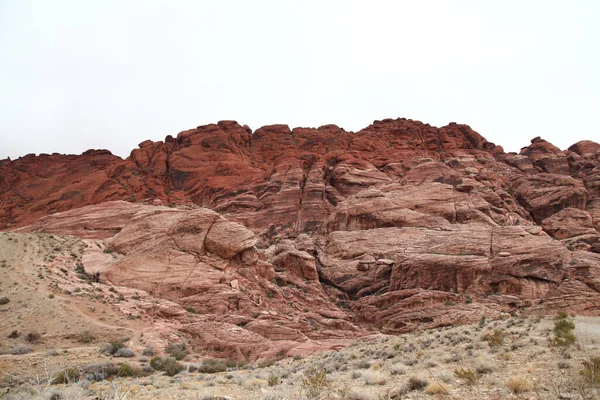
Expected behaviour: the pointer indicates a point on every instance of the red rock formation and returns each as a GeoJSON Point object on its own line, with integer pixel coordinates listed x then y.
{"type": "Point", "coordinates": [305, 235]}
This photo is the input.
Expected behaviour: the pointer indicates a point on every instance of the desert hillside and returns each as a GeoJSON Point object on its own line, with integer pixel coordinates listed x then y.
{"type": "Point", "coordinates": [259, 246]}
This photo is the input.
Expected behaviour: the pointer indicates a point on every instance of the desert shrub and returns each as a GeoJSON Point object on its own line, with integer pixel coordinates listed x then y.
{"type": "Point", "coordinates": [211, 366]}
{"type": "Point", "coordinates": [33, 337]}
{"type": "Point", "coordinates": [267, 363]}
{"type": "Point", "coordinates": [85, 337]}
{"type": "Point", "coordinates": [484, 367]}
{"type": "Point", "coordinates": [4, 300]}
{"type": "Point", "coordinates": [21, 349]}
{"type": "Point", "coordinates": [106, 348]}
{"type": "Point", "coordinates": [360, 394]}
{"type": "Point", "coordinates": [124, 352]}
{"type": "Point", "coordinates": [148, 351]}
{"type": "Point", "coordinates": [362, 364]}
{"type": "Point", "coordinates": [591, 371]}
{"type": "Point", "coordinates": [416, 383]}
{"type": "Point", "coordinates": [397, 392]}
{"type": "Point", "coordinates": [496, 338]}
{"type": "Point", "coordinates": [14, 335]}
{"type": "Point", "coordinates": [315, 382]}
{"type": "Point", "coordinates": [563, 331]}
{"type": "Point", "coordinates": [110, 348]}
{"type": "Point", "coordinates": [173, 367]}
{"type": "Point", "coordinates": [167, 364]}
{"type": "Point", "coordinates": [374, 378]}
{"type": "Point", "coordinates": [157, 362]}
{"type": "Point", "coordinates": [67, 375]}
{"type": "Point", "coordinates": [397, 370]}
{"type": "Point", "coordinates": [518, 384]}
{"type": "Point", "coordinates": [273, 380]}
{"type": "Point", "coordinates": [437, 388]}
{"type": "Point", "coordinates": [469, 376]}
{"type": "Point", "coordinates": [126, 370]}
{"type": "Point", "coordinates": [177, 350]}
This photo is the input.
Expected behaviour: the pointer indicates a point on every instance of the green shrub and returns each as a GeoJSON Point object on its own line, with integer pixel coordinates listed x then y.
{"type": "Point", "coordinates": [157, 363]}
{"type": "Point", "coordinates": [172, 367]}
{"type": "Point", "coordinates": [563, 331]}
{"type": "Point", "coordinates": [177, 350]}
{"type": "Point", "coordinates": [167, 364]}
{"type": "Point", "coordinates": [68, 375]}
{"type": "Point", "coordinates": [211, 366]}
{"type": "Point", "coordinates": [126, 370]}
{"type": "Point", "coordinates": [273, 380]}
{"type": "Point", "coordinates": [111, 347]}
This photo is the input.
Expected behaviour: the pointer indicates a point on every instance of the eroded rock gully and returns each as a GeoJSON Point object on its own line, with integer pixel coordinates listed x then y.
{"type": "Point", "coordinates": [285, 241]}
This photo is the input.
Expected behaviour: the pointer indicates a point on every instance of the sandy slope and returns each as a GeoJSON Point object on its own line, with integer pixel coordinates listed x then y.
{"type": "Point", "coordinates": [45, 296]}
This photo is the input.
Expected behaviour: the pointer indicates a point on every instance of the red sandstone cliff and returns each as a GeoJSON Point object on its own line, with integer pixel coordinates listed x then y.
{"type": "Point", "coordinates": [399, 225]}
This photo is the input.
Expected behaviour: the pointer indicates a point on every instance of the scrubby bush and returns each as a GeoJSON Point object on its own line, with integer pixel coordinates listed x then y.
{"type": "Point", "coordinates": [4, 300]}
{"type": "Point", "coordinates": [177, 350]}
{"type": "Point", "coordinates": [518, 384]}
{"type": "Point", "coordinates": [21, 349]}
{"type": "Point", "coordinates": [437, 388]}
{"type": "Point", "coordinates": [563, 331]}
{"type": "Point", "coordinates": [315, 382]}
{"type": "Point", "coordinates": [496, 338]}
{"type": "Point", "coordinates": [397, 370]}
{"type": "Point", "coordinates": [167, 364]}
{"type": "Point", "coordinates": [211, 366]}
{"type": "Point", "coordinates": [273, 380]}
{"type": "Point", "coordinates": [416, 383]}
{"type": "Point", "coordinates": [374, 378]}
{"type": "Point", "coordinates": [362, 364]}
{"type": "Point", "coordinates": [172, 368]}
{"type": "Point", "coordinates": [124, 352]}
{"type": "Point", "coordinates": [85, 337]}
{"type": "Point", "coordinates": [469, 376]}
{"type": "Point", "coordinates": [591, 371]}
{"type": "Point", "coordinates": [484, 366]}
{"type": "Point", "coordinates": [148, 351]}
{"type": "Point", "coordinates": [33, 337]}
{"type": "Point", "coordinates": [126, 370]}
{"type": "Point", "coordinates": [67, 375]}
{"type": "Point", "coordinates": [110, 348]}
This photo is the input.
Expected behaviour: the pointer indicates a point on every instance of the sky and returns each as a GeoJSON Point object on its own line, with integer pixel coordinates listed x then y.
{"type": "Point", "coordinates": [109, 74]}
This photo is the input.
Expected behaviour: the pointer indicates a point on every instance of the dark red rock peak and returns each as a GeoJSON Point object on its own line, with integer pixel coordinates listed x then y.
{"type": "Point", "coordinates": [279, 180]}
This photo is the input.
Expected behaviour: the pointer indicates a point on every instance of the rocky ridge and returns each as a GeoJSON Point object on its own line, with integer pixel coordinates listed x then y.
{"type": "Point", "coordinates": [281, 237]}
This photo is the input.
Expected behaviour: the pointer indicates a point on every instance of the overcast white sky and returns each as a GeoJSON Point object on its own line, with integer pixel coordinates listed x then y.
{"type": "Point", "coordinates": [109, 74]}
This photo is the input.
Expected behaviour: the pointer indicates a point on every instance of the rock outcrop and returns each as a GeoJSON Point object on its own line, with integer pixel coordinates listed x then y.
{"type": "Point", "coordinates": [285, 239]}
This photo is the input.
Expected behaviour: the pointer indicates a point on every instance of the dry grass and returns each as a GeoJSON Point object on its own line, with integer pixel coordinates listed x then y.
{"type": "Point", "coordinates": [437, 387]}
{"type": "Point", "coordinates": [518, 384]}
